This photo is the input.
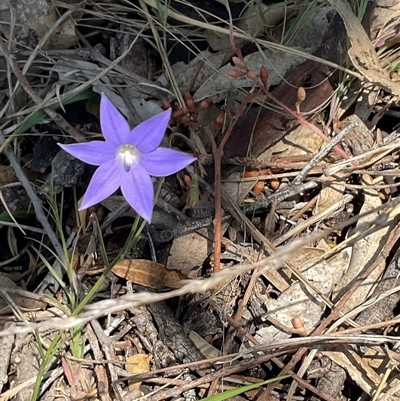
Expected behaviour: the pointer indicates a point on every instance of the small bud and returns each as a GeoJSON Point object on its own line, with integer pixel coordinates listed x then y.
{"type": "Point", "coordinates": [264, 75]}
{"type": "Point", "coordinates": [274, 184]}
{"type": "Point", "coordinates": [189, 101]}
{"type": "Point", "coordinates": [235, 73]}
{"type": "Point", "coordinates": [252, 75]}
{"type": "Point", "coordinates": [251, 173]}
{"type": "Point", "coordinates": [257, 189]}
{"type": "Point", "coordinates": [219, 121]}
{"type": "Point", "coordinates": [180, 113]}
{"type": "Point", "coordinates": [301, 94]}
{"type": "Point", "coordinates": [205, 104]}
{"type": "Point", "coordinates": [188, 180]}
{"type": "Point", "coordinates": [338, 126]}
{"type": "Point", "coordinates": [239, 63]}
{"type": "Point", "coordinates": [186, 120]}
{"type": "Point", "coordinates": [297, 323]}
{"type": "Point", "coordinates": [165, 104]}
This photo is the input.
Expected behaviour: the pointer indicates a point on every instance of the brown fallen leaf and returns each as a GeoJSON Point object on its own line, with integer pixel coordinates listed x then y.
{"type": "Point", "coordinates": [137, 364]}
{"type": "Point", "coordinates": [362, 53]}
{"type": "Point", "coordinates": [148, 273]}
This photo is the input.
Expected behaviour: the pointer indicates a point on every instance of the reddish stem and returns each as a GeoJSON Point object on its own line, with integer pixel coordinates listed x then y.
{"type": "Point", "coordinates": [218, 152]}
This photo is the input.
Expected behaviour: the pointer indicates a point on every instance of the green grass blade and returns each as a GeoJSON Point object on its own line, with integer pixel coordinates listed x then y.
{"type": "Point", "coordinates": [39, 115]}
{"type": "Point", "coordinates": [226, 395]}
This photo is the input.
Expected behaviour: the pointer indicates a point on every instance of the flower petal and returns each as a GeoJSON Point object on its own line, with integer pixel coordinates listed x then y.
{"type": "Point", "coordinates": [105, 181]}
{"type": "Point", "coordinates": [95, 152]}
{"type": "Point", "coordinates": [138, 190]}
{"type": "Point", "coordinates": [163, 162]}
{"type": "Point", "coordinates": [113, 124]}
{"type": "Point", "coordinates": [148, 135]}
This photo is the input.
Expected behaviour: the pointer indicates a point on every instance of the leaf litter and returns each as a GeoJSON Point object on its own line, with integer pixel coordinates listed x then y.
{"type": "Point", "coordinates": [274, 254]}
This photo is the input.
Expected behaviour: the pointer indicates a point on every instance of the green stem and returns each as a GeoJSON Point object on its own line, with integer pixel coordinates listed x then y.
{"type": "Point", "coordinates": [133, 237]}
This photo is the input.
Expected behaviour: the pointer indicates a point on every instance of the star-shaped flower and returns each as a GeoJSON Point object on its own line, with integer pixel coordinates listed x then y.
{"type": "Point", "coordinates": [127, 159]}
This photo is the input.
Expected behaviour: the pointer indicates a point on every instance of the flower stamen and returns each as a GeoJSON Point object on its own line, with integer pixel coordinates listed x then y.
{"type": "Point", "coordinates": [128, 155]}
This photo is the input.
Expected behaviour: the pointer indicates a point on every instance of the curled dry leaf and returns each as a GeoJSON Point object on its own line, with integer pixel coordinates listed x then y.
{"type": "Point", "coordinates": [357, 368]}
{"type": "Point", "coordinates": [362, 53]}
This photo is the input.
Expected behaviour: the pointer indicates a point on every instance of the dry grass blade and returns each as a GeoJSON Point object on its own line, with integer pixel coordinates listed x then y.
{"type": "Point", "coordinates": [241, 34]}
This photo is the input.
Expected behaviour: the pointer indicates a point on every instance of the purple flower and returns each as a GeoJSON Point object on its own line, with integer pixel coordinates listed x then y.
{"type": "Point", "coordinates": [127, 159]}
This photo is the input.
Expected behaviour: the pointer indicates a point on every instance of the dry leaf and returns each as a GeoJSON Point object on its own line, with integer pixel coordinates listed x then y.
{"type": "Point", "coordinates": [364, 253]}
{"type": "Point", "coordinates": [208, 350]}
{"type": "Point", "coordinates": [297, 301]}
{"type": "Point", "coordinates": [384, 23]}
{"type": "Point", "coordinates": [362, 53]}
{"type": "Point", "coordinates": [301, 141]}
{"type": "Point", "coordinates": [149, 274]}
{"type": "Point", "coordinates": [37, 21]}
{"type": "Point", "coordinates": [329, 195]}
{"type": "Point", "coordinates": [190, 250]}
{"type": "Point", "coordinates": [236, 189]}
{"type": "Point", "coordinates": [357, 368]}
{"type": "Point", "coordinates": [7, 175]}
{"type": "Point", "coordinates": [189, 77]}
{"type": "Point", "coordinates": [137, 364]}
{"type": "Point", "coordinates": [20, 297]}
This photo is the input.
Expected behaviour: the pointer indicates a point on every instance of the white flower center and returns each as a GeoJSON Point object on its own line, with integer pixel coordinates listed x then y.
{"type": "Point", "coordinates": [128, 155]}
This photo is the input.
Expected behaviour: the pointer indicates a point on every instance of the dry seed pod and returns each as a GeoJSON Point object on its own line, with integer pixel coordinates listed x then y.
{"type": "Point", "coordinates": [264, 75]}
{"type": "Point", "coordinates": [239, 63]}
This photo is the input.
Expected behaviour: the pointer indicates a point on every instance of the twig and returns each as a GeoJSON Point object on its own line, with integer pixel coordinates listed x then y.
{"type": "Point", "coordinates": [280, 196]}
{"type": "Point", "coordinates": [323, 152]}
